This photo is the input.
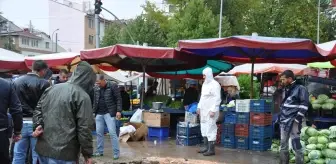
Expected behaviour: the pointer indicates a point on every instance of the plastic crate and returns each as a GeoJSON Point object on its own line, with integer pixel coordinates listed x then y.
{"type": "Point", "coordinates": [242, 130]}
{"type": "Point", "coordinates": [230, 117]}
{"type": "Point", "coordinates": [328, 113]}
{"type": "Point", "coordinates": [260, 119]}
{"type": "Point", "coordinates": [260, 131]}
{"type": "Point", "coordinates": [261, 106]}
{"type": "Point", "coordinates": [242, 118]}
{"type": "Point", "coordinates": [228, 141]}
{"type": "Point", "coordinates": [243, 106]}
{"type": "Point", "coordinates": [188, 141]}
{"type": "Point", "coordinates": [228, 129]}
{"type": "Point", "coordinates": [160, 132]}
{"type": "Point", "coordinates": [260, 144]}
{"type": "Point", "coordinates": [242, 142]}
{"type": "Point", "coordinates": [188, 130]}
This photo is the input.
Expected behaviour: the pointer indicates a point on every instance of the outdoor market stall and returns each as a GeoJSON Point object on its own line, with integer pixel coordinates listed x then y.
{"type": "Point", "coordinates": [249, 124]}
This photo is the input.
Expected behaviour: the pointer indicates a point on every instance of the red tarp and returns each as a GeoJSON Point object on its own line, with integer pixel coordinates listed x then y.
{"type": "Point", "coordinates": [134, 57]}
{"type": "Point", "coordinates": [10, 61]}
{"type": "Point", "coordinates": [54, 60]}
{"type": "Point", "coordinates": [263, 49]}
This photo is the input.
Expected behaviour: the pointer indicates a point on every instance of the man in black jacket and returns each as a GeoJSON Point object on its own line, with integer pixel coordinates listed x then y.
{"type": "Point", "coordinates": [8, 100]}
{"type": "Point", "coordinates": [61, 78]}
{"type": "Point", "coordinates": [29, 89]}
{"type": "Point", "coordinates": [191, 94]}
{"type": "Point", "coordinates": [107, 107]}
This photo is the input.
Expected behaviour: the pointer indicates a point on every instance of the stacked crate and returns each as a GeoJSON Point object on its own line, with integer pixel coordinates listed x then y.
{"type": "Point", "coordinates": [228, 127]}
{"type": "Point", "coordinates": [188, 134]}
{"type": "Point", "coordinates": [242, 124]}
{"type": "Point", "coordinates": [260, 132]}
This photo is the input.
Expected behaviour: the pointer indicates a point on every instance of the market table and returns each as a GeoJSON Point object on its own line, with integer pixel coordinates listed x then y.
{"type": "Point", "coordinates": [324, 123]}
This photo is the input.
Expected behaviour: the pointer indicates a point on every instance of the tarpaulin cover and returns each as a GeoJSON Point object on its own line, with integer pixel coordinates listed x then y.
{"type": "Point", "coordinates": [10, 60]}
{"type": "Point", "coordinates": [134, 57]}
{"type": "Point", "coordinates": [53, 60]}
{"type": "Point", "coordinates": [298, 69]}
{"type": "Point", "coordinates": [263, 49]}
{"type": "Point", "coordinates": [216, 66]}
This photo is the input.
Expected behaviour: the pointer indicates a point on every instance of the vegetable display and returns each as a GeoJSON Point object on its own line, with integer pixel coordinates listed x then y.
{"type": "Point", "coordinates": [319, 146]}
{"type": "Point", "coordinates": [323, 102]}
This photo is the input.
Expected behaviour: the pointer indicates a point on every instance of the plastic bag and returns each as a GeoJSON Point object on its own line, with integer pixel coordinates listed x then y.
{"type": "Point", "coordinates": [126, 129]}
{"type": "Point", "coordinates": [137, 116]}
{"type": "Point", "coordinates": [192, 108]}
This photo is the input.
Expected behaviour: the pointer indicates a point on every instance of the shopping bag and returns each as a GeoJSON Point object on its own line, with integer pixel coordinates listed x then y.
{"type": "Point", "coordinates": [137, 116]}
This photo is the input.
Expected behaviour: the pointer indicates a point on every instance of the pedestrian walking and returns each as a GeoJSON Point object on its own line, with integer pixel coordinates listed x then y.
{"type": "Point", "coordinates": [107, 107]}
{"type": "Point", "coordinates": [63, 123]}
{"type": "Point", "coordinates": [208, 109]}
{"type": "Point", "coordinates": [29, 89]}
{"type": "Point", "coordinates": [9, 102]}
{"type": "Point", "coordinates": [292, 112]}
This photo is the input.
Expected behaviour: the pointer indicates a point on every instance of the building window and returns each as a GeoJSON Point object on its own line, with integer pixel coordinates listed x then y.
{"type": "Point", "coordinates": [47, 45]}
{"type": "Point", "coordinates": [90, 39]}
{"type": "Point", "coordinates": [25, 41]}
{"type": "Point", "coordinates": [34, 43]}
{"type": "Point", "coordinates": [91, 23]}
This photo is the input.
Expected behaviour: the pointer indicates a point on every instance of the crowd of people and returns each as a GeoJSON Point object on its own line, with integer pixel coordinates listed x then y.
{"type": "Point", "coordinates": [53, 117]}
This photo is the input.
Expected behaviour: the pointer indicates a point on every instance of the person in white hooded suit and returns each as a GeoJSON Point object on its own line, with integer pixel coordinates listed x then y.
{"type": "Point", "coordinates": [208, 109]}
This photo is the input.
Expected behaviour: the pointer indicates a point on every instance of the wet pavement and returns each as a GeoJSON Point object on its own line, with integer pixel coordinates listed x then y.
{"type": "Point", "coordinates": [137, 151]}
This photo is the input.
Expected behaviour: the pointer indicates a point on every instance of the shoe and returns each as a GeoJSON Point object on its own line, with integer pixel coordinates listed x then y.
{"type": "Point", "coordinates": [211, 149]}
{"type": "Point", "coordinates": [115, 157]}
{"type": "Point", "coordinates": [97, 155]}
{"type": "Point", "coordinates": [204, 147]}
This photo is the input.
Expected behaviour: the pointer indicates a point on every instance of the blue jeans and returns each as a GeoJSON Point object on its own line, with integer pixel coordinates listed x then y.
{"type": "Point", "coordinates": [46, 160]}
{"type": "Point", "coordinates": [111, 125]}
{"type": "Point", "coordinates": [21, 147]}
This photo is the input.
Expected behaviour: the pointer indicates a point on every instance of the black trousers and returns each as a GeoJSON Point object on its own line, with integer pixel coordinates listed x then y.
{"type": "Point", "coordinates": [4, 148]}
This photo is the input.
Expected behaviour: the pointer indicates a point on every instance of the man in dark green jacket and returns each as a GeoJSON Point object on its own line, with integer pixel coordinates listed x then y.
{"type": "Point", "coordinates": [64, 117]}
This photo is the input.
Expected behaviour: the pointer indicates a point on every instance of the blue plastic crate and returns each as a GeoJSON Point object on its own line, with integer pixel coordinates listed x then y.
{"type": "Point", "coordinates": [228, 129]}
{"type": "Point", "coordinates": [187, 130]}
{"type": "Point", "coordinates": [228, 141]}
{"type": "Point", "coordinates": [243, 118]}
{"type": "Point", "coordinates": [160, 132]}
{"type": "Point", "coordinates": [260, 131]}
{"type": "Point", "coordinates": [260, 144]}
{"type": "Point", "coordinates": [261, 106]}
{"type": "Point", "coordinates": [188, 141]}
{"type": "Point", "coordinates": [242, 143]}
{"type": "Point", "coordinates": [230, 117]}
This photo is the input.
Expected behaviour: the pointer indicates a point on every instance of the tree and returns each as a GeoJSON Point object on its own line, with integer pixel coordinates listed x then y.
{"type": "Point", "coordinates": [195, 21]}
{"type": "Point", "coordinates": [143, 29]}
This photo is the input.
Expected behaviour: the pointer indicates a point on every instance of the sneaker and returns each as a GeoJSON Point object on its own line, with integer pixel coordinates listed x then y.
{"type": "Point", "coordinates": [97, 155]}
{"type": "Point", "coordinates": [115, 157]}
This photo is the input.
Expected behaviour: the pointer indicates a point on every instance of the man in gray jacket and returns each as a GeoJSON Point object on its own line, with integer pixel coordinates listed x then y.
{"type": "Point", "coordinates": [107, 107]}
{"type": "Point", "coordinates": [63, 118]}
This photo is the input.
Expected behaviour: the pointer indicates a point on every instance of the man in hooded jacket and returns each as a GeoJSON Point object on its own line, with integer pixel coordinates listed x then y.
{"type": "Point", "coordinates": [208, 109]}
{"type": "Point", "coordinates": [63, 119]}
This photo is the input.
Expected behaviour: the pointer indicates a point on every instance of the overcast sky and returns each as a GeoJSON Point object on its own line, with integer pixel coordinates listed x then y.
{"type": "Point", "coordinates": [21, 12]}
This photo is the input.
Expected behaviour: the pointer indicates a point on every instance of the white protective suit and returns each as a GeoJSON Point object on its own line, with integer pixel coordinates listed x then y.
{"type": "Point", "coordinates": [209, 102]}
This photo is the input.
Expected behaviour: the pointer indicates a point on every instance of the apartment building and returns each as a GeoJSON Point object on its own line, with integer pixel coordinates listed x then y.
{"type": "Point", "coordinates": [76, 24]}
{"type": "Point", "coordinates": [26, 41]}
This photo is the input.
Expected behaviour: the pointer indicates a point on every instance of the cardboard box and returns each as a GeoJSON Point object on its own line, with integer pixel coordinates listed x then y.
{"type": "Point", "coordinates": [156, 119]}
{"type": "Point", "coordinates": [139, 135]}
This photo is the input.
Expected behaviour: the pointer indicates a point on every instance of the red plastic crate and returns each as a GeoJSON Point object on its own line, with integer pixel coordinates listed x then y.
{"type": "Point", "coordinates": [260, 119]}
{"type": "Point", "coordinates": [242, 130]}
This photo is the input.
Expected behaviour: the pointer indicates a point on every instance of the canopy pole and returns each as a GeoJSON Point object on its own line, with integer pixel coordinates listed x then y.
{"type": "Point", "coordinates": [143, 85]}
{"type": "Point", "coordinates": [131, 92]}
{"type": "Point", "coordinates": [252, 72]}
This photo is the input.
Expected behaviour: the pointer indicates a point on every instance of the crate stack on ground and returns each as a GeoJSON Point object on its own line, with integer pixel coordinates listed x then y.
{"type": "Point", "coordinates": [158, 125]}
{"type": "Point", "coordinates": [188, 134]}
{"type": "Point", "coordinates": [260, 131]}
{"type": "Point", "coordinates": [242, 124]}
{"type": "Point", "coordinates": [228, 128]}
